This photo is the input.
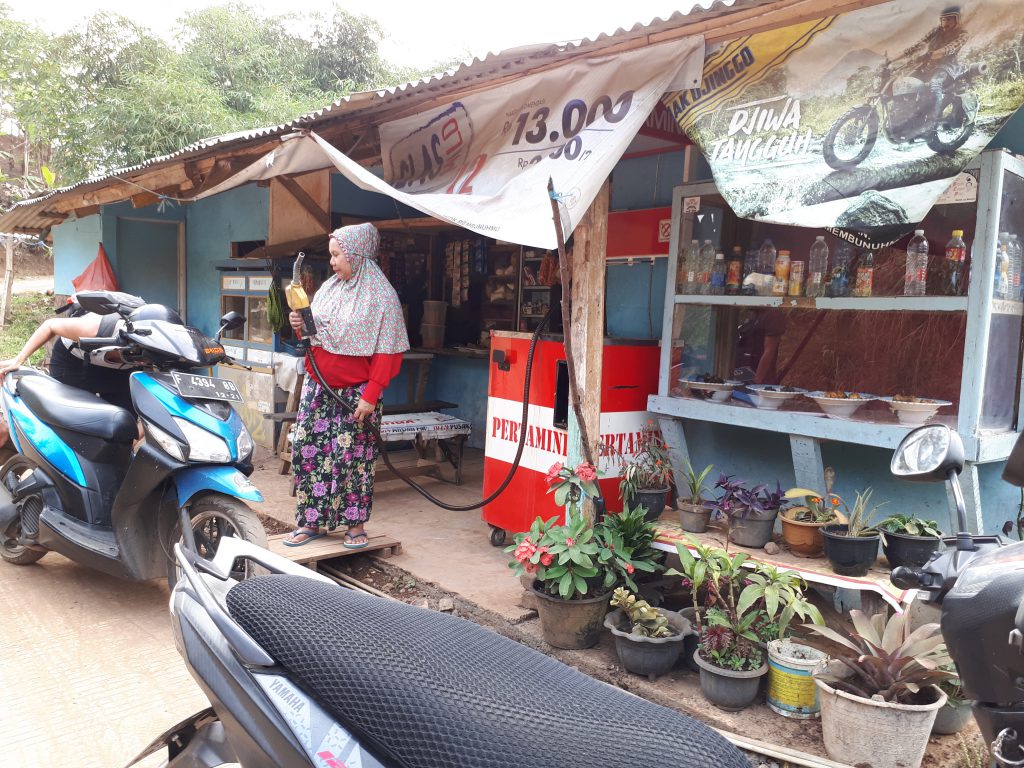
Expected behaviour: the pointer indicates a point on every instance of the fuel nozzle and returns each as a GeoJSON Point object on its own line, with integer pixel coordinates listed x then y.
{"type": "Point", "coordinates": [297, 300]}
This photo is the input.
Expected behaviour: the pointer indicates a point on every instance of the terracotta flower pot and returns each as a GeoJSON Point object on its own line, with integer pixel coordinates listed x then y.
{"type": "Point", "coordinates": [804, 539]}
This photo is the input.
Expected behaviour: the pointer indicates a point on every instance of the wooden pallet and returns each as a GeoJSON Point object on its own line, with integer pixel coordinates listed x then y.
{"type": "Point", "coordinates": [331, 546]}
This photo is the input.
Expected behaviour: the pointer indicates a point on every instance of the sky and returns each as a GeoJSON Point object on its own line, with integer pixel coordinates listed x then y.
{"type": "Point", "coordinates": [419, 33]}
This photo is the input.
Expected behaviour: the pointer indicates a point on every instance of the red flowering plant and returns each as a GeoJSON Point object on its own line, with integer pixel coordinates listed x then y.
{"type": "Point", "coordinates": [572, 485]}
{"type": "Point", "coordinates": [576, 560]}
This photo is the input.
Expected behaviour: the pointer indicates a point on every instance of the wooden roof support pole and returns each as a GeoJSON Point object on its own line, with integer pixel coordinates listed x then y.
{"type": "Point", "coordinates": [583, 284]}
{"type": "Point", "coordinates": [7, 285]}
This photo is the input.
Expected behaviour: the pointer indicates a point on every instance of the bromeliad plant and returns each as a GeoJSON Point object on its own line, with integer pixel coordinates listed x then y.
{"type": "Point", "coordinates": [746, 604]}
{"type": "Point", "coordinates": [883, 659]}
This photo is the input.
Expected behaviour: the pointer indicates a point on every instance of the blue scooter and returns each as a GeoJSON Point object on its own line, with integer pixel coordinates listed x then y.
{"type": "Point", "coordinates": [78, 486]}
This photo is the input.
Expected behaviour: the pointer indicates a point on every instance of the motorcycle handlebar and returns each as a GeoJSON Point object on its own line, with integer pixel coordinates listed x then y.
{"type": "Point", "coordinates": [90, 343]}
{"type": "Point", "coordinates": [977, 70]}
{"type": "Point", "coordinates": [906, 577]}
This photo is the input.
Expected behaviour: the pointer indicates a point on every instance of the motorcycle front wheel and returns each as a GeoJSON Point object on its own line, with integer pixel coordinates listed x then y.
{"type": "Point", "coordinates": [952, 129]}
{"type": "Point", "coordinates": [851, 138]}
{"type": "Point", "coordinates": [10, 550]}
{"type": "Point", "coordinates": [215, 516]}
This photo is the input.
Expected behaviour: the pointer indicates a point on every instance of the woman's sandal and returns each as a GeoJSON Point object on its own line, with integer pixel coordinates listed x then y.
{"type": "Point", "coordinates": [309, 533]}
{"type": "Point", "coordinates": [350, 540]}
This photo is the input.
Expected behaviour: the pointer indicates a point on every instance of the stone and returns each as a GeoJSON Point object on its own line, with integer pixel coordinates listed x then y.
{"type": "Point", "coordinates": [446, 605]}
{"type": "Point", "coordinates": [771, 548]}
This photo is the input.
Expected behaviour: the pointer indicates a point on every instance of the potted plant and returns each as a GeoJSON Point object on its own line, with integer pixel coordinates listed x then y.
{"type": "Point", "coordinates": [647, 474]}
{"type": "Point", "coordinates": [749, 512]}
{"type": "Point", "coordinates": [647, 639]}
{"type": "Point", "coordinates": [852, 547]}
{"type": "Point", "coordinates": [802, 523]}
{"type": "Point", "coordinates": [909, 540]}
{"type": "Point", "coordinates": [693, 512]}
{"type": "Point", "coordinates": [956, 712]}
{"type": "Point", "coordinates": [630, 531]}
{"type": "Point", "coordinates": [881, 683]}
{"type": "Point", "coordinates": [737, 611]}
{"type": "Point", "coordinates": [574, 568]}
{"type": "Point", "coordinates": [571, 485]}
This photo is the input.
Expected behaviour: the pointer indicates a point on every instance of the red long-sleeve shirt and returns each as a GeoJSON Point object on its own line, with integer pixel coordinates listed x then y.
{"type": "Point", "coordinates": [346, 370]}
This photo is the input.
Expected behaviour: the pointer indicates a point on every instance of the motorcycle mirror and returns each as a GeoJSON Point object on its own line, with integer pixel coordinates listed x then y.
{"type": "Point", "coordinates": [229, 322]}
{"type": "Point", "coordinates": [928, 454]}
{"type": "Point", "coordinates": [1013, 473]}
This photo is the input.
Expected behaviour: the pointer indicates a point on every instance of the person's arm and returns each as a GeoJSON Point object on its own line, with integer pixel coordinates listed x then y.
{"type": "Point", "coordinates": [73, 328]}
{"type": "Point", "coordinates": [383, 368]}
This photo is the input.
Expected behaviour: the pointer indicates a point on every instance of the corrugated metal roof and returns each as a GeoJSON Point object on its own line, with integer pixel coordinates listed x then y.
{"type": "Point", "coordinates": [29, 215]}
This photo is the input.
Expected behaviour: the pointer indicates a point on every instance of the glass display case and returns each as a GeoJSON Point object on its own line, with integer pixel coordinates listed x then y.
{"type": "Point", "coordinates": [537, 280]}
{"type": "Point", "coordinates": [888, 338]}
{"type": "Point", "coordinates": [246, 293]}
{"type": "Point", "coordinates": [500, 288]}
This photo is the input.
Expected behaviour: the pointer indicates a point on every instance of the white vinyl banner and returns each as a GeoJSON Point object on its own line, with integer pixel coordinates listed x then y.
{"type": "Point", "coordinates": [483, 162]}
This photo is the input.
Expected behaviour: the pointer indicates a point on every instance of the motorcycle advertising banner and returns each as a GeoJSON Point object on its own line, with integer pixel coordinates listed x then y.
{"type": "Point", "coordinates": [857, 122]}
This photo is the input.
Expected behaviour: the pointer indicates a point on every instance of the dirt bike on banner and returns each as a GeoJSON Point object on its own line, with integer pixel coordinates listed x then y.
{"type": "Point", "coordinates": [902, 110]}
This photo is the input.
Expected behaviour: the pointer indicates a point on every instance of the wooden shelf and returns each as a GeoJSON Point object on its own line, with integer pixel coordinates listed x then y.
{"type": "Point", "coordinates": [872, 304]}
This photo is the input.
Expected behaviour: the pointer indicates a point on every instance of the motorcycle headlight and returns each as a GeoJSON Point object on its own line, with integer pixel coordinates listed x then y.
{"type": "Point", "coordinates": [203, 445]}
{"type": "Point", "coordinates": [171, 447]}
{"type": "Point", "coordinates": [244, 444]}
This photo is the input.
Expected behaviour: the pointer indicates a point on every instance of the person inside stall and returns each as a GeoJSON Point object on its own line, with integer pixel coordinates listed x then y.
{"type": "Point", "coordinates": [757, 346]}
{"type": "Point", "coordinates": [358, 348]}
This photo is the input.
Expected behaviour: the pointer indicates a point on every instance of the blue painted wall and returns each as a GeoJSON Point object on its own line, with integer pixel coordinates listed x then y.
{"type": "Point", "coordinates": [635, 298]}
{"type": "Point", "coordinates": [75, 244]}
{"type": "Point", "coordinates": [349, 199]}
{"type": "Point", "coordinates": [632, 186]}
{"type": "Point", "coordinates": [213, 224]}
{"type": "Point", "coordinates": [464, 381]}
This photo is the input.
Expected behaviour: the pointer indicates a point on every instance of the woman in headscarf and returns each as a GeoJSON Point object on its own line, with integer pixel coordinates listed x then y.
{"type": "Point", "coordinates": [358, 348]}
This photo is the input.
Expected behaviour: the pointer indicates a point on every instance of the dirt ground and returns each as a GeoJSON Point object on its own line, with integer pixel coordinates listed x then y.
{"type": "Point", "coordinates": [678, 690]}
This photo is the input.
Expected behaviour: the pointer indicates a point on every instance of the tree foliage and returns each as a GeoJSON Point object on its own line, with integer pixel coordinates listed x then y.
{"type": "Point", "coordinates": [110, 93]}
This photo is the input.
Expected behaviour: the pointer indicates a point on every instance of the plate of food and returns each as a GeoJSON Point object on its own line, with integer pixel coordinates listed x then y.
{"type": "Point", "coordinates": [840, 404]}
{"type": "Point", "coordinates": [914, 410]}
{"type": "Point", "coordinates": [711, 387]}
{"type": "Point", "coordinates": [770, 397]}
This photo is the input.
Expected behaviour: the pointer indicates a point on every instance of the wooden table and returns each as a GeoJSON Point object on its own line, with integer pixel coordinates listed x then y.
{"type": "Point", "coordinates": [851, 590]}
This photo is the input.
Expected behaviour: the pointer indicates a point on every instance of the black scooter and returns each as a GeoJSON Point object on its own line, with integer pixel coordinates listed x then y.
{"type": "Point", "coordinates": [302, 672]}
{"type": "Point", "coordinates": [979, 582]}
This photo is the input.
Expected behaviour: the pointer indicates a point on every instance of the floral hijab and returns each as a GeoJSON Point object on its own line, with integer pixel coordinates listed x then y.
{"type": "Point", "coordinates": [361, 316]}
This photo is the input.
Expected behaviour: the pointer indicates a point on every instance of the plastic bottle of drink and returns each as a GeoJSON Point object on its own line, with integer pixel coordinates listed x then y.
{"type": "Point", "coordinates": [1016, 255]}
{"type": "Point", "coordinates": [692, 268]}
{"type": "Point", "coordinates": [839, 282]}
{"type": "Point", "coordinates": [718, 273]}
{"type": "Point", "coordinates": [953, 265]}
{"type": "Point", "coordinates": [817, 268]}
{"type": "Point", "coordinates": [865, 275]}
{"type": "Point", "coordinates": [766, 255]}
{"type": "Point", "coordinates": [749, 268]}
{"type": "Point", "coordinates": [1001, 286]}
{"type": "Point", "coordinates": [781, 281]}
{"type": "Point", "coordinates": [917, 265]}
{"type": "Point", "coordinates": [707, 264]}
{"type": "Point", "coordinates": [734, 271]}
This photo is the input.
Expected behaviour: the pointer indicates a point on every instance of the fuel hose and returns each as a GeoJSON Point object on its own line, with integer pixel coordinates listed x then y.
{"type": "Point", "coordinates": [408, 481]}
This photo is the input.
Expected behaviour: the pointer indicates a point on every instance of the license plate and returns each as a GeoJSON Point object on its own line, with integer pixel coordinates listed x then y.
{"type": "Point", "coordinates": [206, 387]}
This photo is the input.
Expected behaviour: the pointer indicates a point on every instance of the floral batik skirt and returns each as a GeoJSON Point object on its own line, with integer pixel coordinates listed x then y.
{"type": "Point", "coordinates": [333, 459]}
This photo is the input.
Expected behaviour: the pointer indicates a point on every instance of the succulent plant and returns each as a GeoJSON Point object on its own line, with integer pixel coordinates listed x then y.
{"type": "Point", "coordinates": [646, 620]}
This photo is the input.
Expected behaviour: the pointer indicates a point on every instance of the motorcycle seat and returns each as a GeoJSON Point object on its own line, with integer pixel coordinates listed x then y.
{"type": "Point", "coordinates": [421, 689]}
{"type": "Point", "coordinates": [65, 407]}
